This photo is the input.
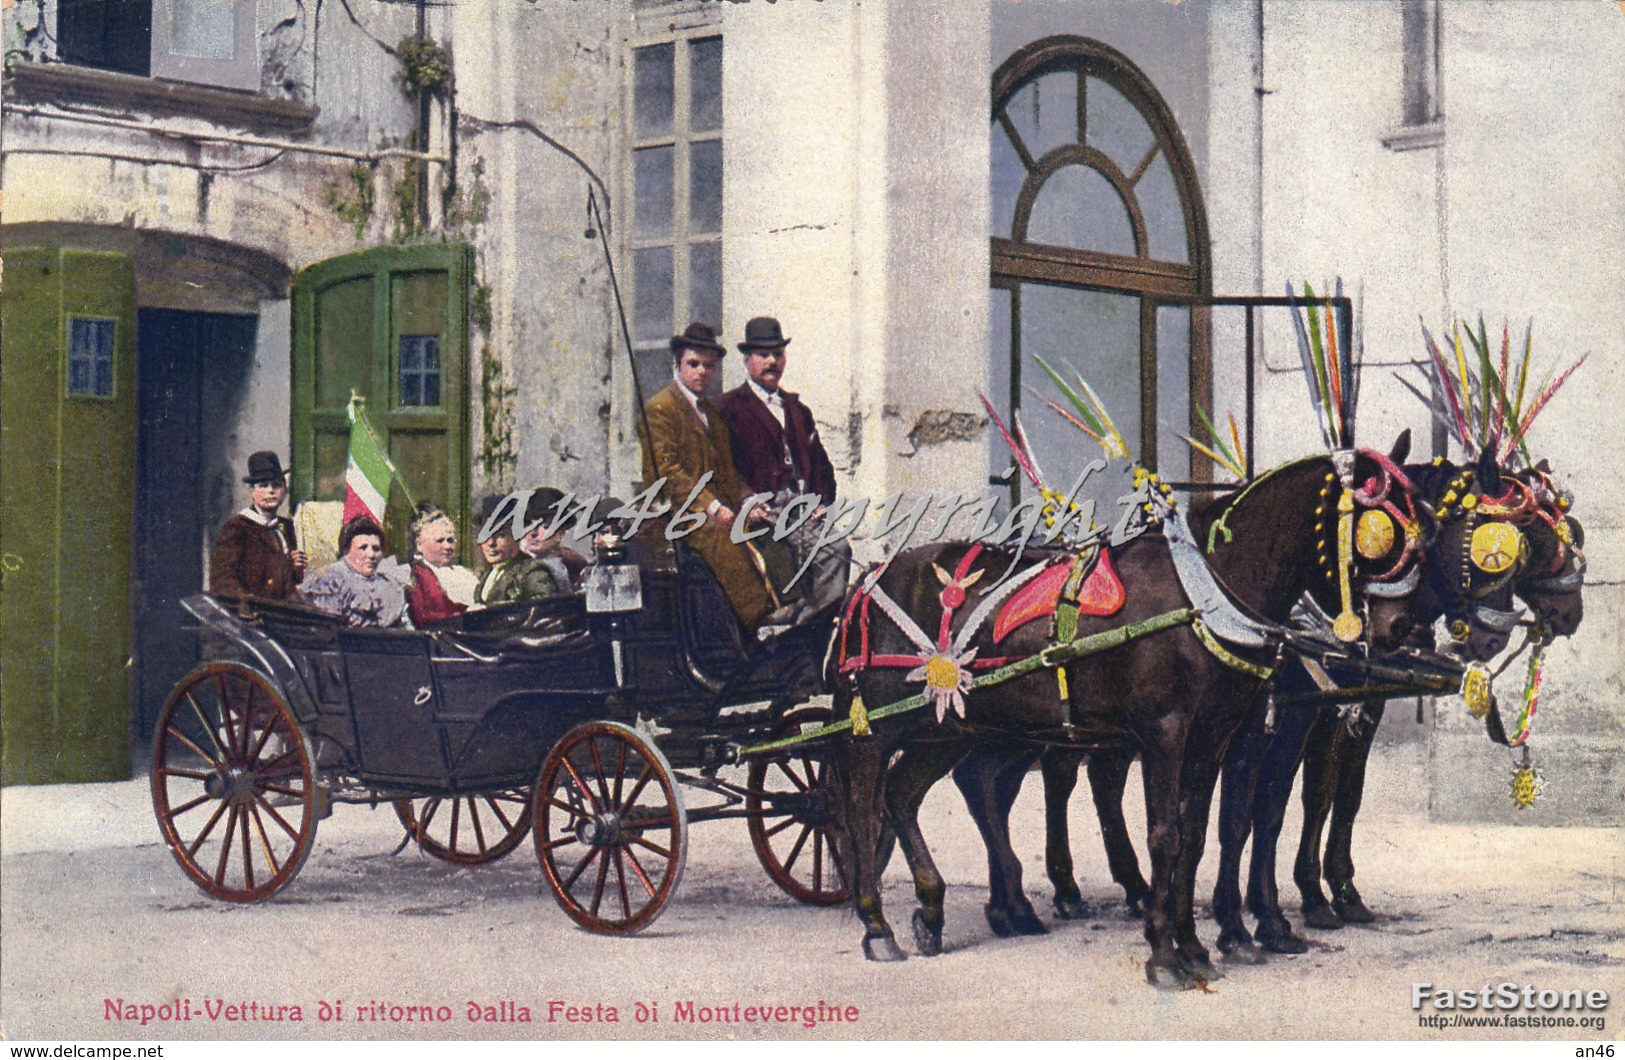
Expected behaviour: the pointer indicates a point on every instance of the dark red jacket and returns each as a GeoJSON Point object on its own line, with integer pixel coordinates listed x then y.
{"type": "Point", "coordinates": [759, 444]}
{"type": "Point", "coordinates": [249, 561]}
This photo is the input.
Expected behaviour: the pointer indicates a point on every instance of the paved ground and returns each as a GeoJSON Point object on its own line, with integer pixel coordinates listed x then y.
{"type": "Point", "coordinates": [94, 911]}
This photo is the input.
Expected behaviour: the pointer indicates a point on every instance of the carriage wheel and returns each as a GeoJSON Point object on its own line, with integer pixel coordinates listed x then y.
{"type": "Point", "coordinates": [611, 828]}
{"type": "Point", "coordinates": [468, 829]}
{"type": "Point", "coordinates": [790, 824]}
{"type": "Point", "coordinates": [233, 783]}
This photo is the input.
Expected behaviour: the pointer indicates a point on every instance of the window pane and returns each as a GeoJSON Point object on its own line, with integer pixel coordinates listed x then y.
{"type": "Point", "coordinates": [705, 283]}
{"type": "Point", "coordinates": [1098, 334]}
{"type": "Point", "coordinates": [1077, 207]}
{"type": "Point", "coordinates": [1008, 174]}
{"type": "Point", "coordinates": [1163, 211]}
{"type": "Point", "coordinates": [652, 170]}
{"type": "Point", "coordinates": [651, 281]}
{"type": "Point", "coordinates": [705, 187]}
{"type": "Point", "coordinates": [1115, 127]}
{"type": "Point", "coordinates": [90, 357]}
{"type": "Point", "coordinates": [652, 90]}
{"type": "Point", "coordinates": [1045, 112]}
{"type": "Point", "coordinates": [205, 29]}
{"type": "Point", "coordinates": [1174, 394]}
{"type": "Point", "coordinates": [420, 369]}
{"type": "Point", "coordinates": [654, 370]}
{"type": "Point", "coordinates": [705, 84]}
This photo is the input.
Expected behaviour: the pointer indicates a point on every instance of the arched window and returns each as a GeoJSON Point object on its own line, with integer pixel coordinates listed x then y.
{"type": "Point", "coordinates": [1100, 254]}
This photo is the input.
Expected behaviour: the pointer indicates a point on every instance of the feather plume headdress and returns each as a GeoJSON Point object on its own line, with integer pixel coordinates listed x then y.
{"type": "Point", "coordinates": [1485, 409]}
{"type": "Point", "coordinates": [1329, 367]}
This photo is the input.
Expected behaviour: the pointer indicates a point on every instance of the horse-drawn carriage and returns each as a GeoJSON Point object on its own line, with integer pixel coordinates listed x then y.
{"type": "Point", "coordinates": [579, 720]}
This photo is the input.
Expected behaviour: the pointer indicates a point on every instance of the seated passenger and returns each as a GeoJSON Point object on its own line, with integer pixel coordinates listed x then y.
{"type": "Point", "coordinates": [364, 587]}
{"type": "Point", "coordinates": [567, 566]}
{"type": "Point", "coordinates": [441, 587]}
{"type": "Point", "coordinates": [510, 576]}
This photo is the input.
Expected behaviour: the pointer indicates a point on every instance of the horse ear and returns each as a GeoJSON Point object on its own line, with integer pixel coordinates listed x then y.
{"type": "Point", "coordinates": [1489, 473]}
{"type": "Point", "coordinates": [1402, 447]}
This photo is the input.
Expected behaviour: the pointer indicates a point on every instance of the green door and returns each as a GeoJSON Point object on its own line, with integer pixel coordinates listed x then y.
{"type": "Point", "coordinates": [392, 324]}
{"type": "Point", "coordinates": [67, 434]}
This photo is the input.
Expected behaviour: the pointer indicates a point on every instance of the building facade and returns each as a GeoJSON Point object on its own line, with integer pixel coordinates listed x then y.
{"type": "Point", "coordinates": [277, 208]}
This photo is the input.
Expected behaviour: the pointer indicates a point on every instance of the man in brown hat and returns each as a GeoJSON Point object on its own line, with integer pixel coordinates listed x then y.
{"type": "Point", "coordinates": [257, 554]}
{"type": "Point", "coordinates": [688, 437]}
{"type": "Point", "coordinates": [777, 451]}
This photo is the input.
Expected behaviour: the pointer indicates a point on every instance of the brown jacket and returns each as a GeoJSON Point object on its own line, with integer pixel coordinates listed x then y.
{"type": "Point", "coordinates": [249, 561]}
{"type": "Point", "coordinates": [684, 449]}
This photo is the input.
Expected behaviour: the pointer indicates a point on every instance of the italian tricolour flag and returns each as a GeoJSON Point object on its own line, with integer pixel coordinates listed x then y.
{"type": "Point", "coordinates": [366, 480]}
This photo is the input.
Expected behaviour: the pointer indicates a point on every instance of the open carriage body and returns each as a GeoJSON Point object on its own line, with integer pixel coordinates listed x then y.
{"type": "Point", "coordinates": [576, 720]}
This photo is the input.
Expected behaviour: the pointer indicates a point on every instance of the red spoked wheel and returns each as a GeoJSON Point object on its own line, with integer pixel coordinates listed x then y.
{"type": "Point", "coordinates": [790, 823]}
{"type": "Point", "coordinates": [611, 828]}
{"type": "Point", "coordinates": [468, 829]}
{"type": "Point", "coordinates": [233, 783]}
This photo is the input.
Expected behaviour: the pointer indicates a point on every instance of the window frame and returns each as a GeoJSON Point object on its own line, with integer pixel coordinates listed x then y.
{"type": "Point", "coordinates": [702, 26]}
{"type": "Point", "coordinates": [1015, 261]}
{"type": "Point", "coordinates": [67, 359]}
{"type": "Point", "coordinates": [240, 73]}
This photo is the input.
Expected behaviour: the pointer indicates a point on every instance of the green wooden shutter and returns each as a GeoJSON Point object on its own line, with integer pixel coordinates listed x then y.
{"type": "Point", "coordinates": [65, 519]}
{"type": "Point", "coordinates": [350, 317]}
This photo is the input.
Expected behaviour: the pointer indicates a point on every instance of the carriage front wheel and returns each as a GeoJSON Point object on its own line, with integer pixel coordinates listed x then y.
{"type": "Point", "coordinates": [611, 828]}
{"type": "Point", "coordinates": [468, 829]}
{"type": "Point", "coordinates": [233, 783]}
{"type": "Point", "coordinates": [789, 818]}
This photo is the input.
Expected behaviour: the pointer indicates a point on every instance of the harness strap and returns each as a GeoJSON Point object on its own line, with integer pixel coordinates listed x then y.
{"type": "Point", "coordinates": [1219, 652]}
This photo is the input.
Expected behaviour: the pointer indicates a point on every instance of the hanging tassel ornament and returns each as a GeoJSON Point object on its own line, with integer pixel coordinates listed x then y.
{"type": "Point", "coordinates": [1527, 783]}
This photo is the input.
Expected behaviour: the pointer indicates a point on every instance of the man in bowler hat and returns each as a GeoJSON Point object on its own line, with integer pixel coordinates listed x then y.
{"type": "Point", "coordinates": [688, 437]}
{"type": "Point", "coordinates": [257, 554]}
{"type": "Point", "coordinates": [777, 451]}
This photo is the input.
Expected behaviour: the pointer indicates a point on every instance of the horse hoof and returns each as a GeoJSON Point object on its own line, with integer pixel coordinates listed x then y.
{"type": "Point", "coordinates": [1201, 970]}
{"type": "Point", "coordinates": [1134, 907]}
{"type": "Point", "coordinates": [1028, 923]}
{"type": "Point", "coordinates": [999, 919]}
{"type": "Point", "coordinates": [1352, 910]}
{"type": "Point", "coordinates": [927, 940]}
{"type": "Point", "coordinates": [1163, 974]}
{"type": "Point", "coordinates": [1285, 942]}
{"type": "Point", "coordinates": [1238, 947]}
{"type": "Point", "coordinates": [883, 948]}
{"type": "Point", "coordinates": [1323, 917]}
{"type": "Point", "coordinates": [1073, 909]}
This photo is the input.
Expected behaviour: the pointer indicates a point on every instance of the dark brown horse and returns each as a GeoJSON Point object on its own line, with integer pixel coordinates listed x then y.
{"type": "Point", "coordinates": [1165, 694]}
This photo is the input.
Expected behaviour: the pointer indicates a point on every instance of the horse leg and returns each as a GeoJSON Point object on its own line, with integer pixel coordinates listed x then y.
{"type": "Point", "coordinates": [990, 781]}
{"type": "Point", "coordinates": [1200, 777]}
{"type": "Point", "coordinates": [1237, 797]}
{"type": "Point", "coordinates": [1164, 967]}
{"type": "Point", "coordinates": [907, 782]}
{"type": "Point", "coordinates": [1339, 863]}
{"type": "Point", "coordinates": [1108, 776]}
{"type": "Point", "coordinates": [1319, 779]}
{"type": "Point", "coordinates": [1059, 768]}
{"type": "Point", "coordinates": [1280, 768]}
{"type": "Point", "coordinates": [856, 766]}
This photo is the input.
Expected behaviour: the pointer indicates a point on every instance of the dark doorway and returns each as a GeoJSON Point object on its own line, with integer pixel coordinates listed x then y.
{"type": "Point", "coordinates": [194, 372]}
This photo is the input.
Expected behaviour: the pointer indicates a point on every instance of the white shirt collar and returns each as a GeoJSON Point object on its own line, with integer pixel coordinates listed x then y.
{"type": "Point", "coordinates": [253, 515]}
{"type": "Point", "coordinates": [769, 397]}
{"type": "Point", "coordinates": [693, 398]}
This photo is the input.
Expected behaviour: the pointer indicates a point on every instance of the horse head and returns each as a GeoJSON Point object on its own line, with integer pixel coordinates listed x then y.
{"type": "Point", "coordinates": [1551, 581]}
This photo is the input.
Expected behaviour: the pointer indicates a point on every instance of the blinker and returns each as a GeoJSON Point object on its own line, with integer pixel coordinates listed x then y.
{"type": "Point", "coordinates": [1374, 534]}
{"type": "Point", "coordinates": [1497, 547]}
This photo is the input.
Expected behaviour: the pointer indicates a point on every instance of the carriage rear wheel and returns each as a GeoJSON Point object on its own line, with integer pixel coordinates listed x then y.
{"type": "Point", "coordinates": [233, 783]}
{"type": "Point", "coordinates": [468, 829]}
{"type": "Point", "coordinates": [790, 824]}
{"type": "Point", "coordinates": [611, 828]}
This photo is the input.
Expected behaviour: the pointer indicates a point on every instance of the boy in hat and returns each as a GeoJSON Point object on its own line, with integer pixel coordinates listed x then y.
{"type": "Point", "coordinates": [688, 437]}
{"type": "Point", "coordinates": [257, 554]}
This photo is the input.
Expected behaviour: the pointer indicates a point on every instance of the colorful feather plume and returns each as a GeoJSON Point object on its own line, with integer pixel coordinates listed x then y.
{"type": "Point", "coordinates": [1329, 368]}
{"type": "Point", "coordinates": [1095, 421]}
{"type": "Point", "coordinates": [1230, 456]}
{"type": "Point", "coordinates": [1484, 410]}
{"type": "Point", "coordinates": [1019, 450]}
